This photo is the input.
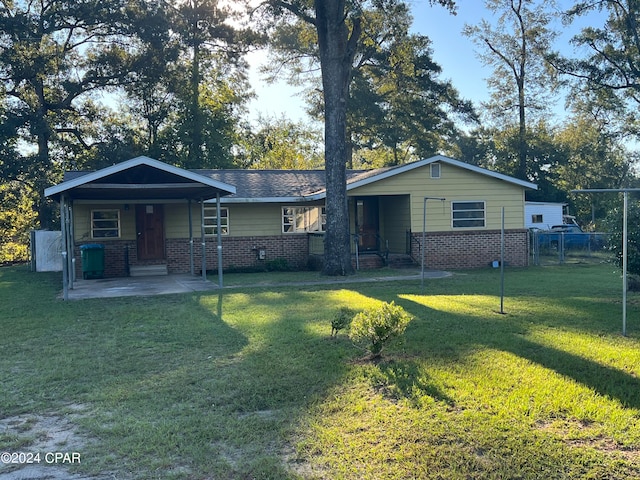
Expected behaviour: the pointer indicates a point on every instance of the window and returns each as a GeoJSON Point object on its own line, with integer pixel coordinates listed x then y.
{"type": "Point", "coordinates": [303, 219]}
{"type": "Point", "coordinates": [536, 218]}
{"type": "Point", "coordinates": [105, 223]}
{"type": "Point", "coordinates": [467, 214]}
{"type": "Point", "coordinates": [435, 170]}
{"type": "Point", "coordinates": [211, 220]}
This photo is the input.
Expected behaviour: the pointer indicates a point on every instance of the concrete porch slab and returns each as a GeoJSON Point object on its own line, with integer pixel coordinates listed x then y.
{"type": "Point", "coordinates": [138, 286]}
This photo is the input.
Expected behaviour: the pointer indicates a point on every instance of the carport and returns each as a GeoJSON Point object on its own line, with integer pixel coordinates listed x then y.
{"type": "Point", "coordinates": [137, 181]}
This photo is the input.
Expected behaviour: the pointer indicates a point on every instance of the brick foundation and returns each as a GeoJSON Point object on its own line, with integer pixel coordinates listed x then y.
{"type": "Point", "coordinates": [115, 253]}
{"type": "Point", "coordinates": [472, 249]}
{"type": "Point", "coordinates": [237, 252]}
{"type": "Point", "coordinates": [445, 250]}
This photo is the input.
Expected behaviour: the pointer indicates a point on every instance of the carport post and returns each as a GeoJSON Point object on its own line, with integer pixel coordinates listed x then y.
{"type": "Point", "coordinates": [202, 239]}
{"type": "Point", "coordinates": [219, 230]}
{"type": "Point", "coordinates": [191, 263]}
{"type": "Point", "coordinates": [65, 265]}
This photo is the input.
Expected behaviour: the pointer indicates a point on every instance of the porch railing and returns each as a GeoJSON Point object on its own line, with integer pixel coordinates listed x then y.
{"type": "Point", "coordinates": [316, 246]}
{"type": "Point", "coordinates": [412, 240]}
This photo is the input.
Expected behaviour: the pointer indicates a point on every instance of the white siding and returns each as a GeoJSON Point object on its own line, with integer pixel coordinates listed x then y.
{"type": "Point", "coordinates": [551, 214]}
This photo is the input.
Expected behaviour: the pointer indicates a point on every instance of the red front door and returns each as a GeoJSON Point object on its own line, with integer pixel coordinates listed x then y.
{"type": "Point", "coordinates": [367, 223]}
{"type": "Point", "coordinates": [150, 229]}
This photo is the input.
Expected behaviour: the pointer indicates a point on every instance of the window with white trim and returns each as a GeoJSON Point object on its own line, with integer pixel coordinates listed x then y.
{"type": "Point", "coordinates": [211, 220]}
{"type": "Point", "coordinates": [536, 218]}
{"type": "Point", "coordinates": [435, 170]}
{"type": "Point", "coordinates": [105, 223]}
{"type": "Point", "coordinates": [303, 219]}
{"type": "Point", "coordinates": [467, 214]}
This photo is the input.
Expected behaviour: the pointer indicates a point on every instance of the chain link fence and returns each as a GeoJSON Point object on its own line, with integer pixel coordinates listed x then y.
{"type": "Point", "coordinates": [555, 248]}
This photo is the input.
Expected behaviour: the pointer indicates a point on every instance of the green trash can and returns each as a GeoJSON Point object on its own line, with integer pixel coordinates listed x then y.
{"type": "Point", "coordinates": [92, 260]}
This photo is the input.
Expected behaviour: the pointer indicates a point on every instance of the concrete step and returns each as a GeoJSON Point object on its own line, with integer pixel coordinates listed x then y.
{"type": "Point", "coordinates": [401, 261]}
{"type": "Point", "coordinates": [148, 270]}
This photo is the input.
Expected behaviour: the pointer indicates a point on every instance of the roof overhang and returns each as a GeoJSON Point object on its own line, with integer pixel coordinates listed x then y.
{"type": "Point", "coordinates": [367, 179]}
{"type": "Point", "coordinates": [141, 178]}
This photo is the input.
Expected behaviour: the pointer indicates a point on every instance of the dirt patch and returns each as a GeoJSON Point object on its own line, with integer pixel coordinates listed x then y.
{"type": "Point", "coordinates": [50, 447]}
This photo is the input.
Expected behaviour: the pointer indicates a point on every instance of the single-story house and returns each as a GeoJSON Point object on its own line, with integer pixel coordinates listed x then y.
{"type": "Point", "coordinates": [148, 214]}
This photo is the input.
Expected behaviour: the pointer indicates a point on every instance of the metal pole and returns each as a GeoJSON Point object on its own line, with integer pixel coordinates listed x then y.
{"type": "Point", "coordinates": [191, 262]}
{"type": "Point", "coordinates": [422, 244]}
{"type": "Point", "coordinates": [65, 275]}
{"type": "Point", "coordinates": [71, 244]}
{"type": "Point", "coordinates": [202, 241]}
{"type": "Point", "coordinates": [502, 264]}
{"type": "Point", "coordinates": [625, 192]}
{"type": "Point", "coordinates": [219, 227]}
{"type": "Point", "coordinates": [624, 265]}
{"type": "Point", "coordinates": [65, 265]}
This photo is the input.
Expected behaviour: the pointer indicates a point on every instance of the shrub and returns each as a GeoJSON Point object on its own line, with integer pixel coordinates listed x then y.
{"type": "Point", "coordinates": [341, 320]}
{"type": "Point", "coordinates": [277, 265]}
{"type": "Point", "coordinates": [376, 326]}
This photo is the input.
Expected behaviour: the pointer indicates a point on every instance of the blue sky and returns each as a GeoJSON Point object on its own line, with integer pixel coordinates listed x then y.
{"type": "Point", "coordinates": [455, 53]}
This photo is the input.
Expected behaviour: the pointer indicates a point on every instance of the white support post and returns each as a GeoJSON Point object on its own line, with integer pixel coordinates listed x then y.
{"type": "Point", "coordinates": [204, 245]}
{"type": "Point", "coordinates": [191, 262]}
{"type": "Point", "coordinates": [219, 230]}
{"type": "Point", "coordinates": [65, 264]}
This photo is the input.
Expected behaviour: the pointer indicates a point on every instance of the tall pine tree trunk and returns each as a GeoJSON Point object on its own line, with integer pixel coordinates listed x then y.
{"type": "Point", "coordinates": [337, 49]}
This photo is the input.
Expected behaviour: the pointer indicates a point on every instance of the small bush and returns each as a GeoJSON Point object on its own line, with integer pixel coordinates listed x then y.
{"type": "Point", "coordinates": [277, 265]}
{"type": "Point", "coordinates": [341, 320]}
{"type": "Point", "coordinates": [376, 326]}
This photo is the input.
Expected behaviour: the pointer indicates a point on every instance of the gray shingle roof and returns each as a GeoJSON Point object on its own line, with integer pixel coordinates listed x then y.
{"type": "Point", "coordinates": [298, 185]}
{"type": "Point", "coordinates": [264, 184]}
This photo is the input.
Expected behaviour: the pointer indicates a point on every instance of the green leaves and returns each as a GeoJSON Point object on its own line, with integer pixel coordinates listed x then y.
{"type": "Point", "coordinates": [376, 326]}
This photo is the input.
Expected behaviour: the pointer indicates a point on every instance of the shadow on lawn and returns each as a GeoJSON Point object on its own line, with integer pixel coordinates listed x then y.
{"type": "Point", "coordinates": [607, 381]}
{"type": "Point", "coordinates": [450, 337]}
{"type": "Point", "coordinates": [287, 364]}
{"type": "Point", "coordinates": [405, 378]}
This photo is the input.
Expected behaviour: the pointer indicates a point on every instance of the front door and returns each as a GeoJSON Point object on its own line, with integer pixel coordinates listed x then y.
{"type": "Point", "coordinates": [150, 229]}
{"type": "Point", "coordinates": [367, 223]}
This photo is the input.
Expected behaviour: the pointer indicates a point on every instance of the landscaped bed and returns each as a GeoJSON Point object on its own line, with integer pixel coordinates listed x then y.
{"type": "Point", "coordinates": [249, 383]}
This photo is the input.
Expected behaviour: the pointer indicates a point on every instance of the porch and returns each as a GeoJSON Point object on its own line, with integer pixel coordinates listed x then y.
{"type": "Point", "coordinates": [125, 207]}
{"type": "Point", "coordinates": [138, 287]}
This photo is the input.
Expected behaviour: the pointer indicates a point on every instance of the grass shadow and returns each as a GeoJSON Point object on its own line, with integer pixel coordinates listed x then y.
{"type": "Point", "coordinates": [408, 379]}
{"type": "Point", "coordinates": [605, 380]}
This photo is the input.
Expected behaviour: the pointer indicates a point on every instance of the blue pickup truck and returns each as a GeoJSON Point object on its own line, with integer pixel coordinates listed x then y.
{"type": "Point", "coordinates": [570, 236]}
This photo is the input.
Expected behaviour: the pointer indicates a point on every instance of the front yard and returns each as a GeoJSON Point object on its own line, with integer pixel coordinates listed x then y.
{"type": "Point", "coordinates": [248, 384]}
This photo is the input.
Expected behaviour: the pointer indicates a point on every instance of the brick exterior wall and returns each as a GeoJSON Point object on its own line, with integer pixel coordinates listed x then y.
{"type": "Point", "coordinates": [471, 249]}
{"type": "Point", "coordinates": [239, 252]}
{"type": "Point", "coordinates": [115, 252]}
{"type": "Point", "coordinates": [445, 250]}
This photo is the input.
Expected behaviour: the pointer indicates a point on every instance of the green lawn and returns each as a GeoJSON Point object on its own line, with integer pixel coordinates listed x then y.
{"type": "Point", "coordinates": [248, 384]}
